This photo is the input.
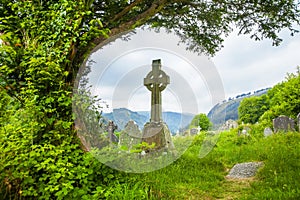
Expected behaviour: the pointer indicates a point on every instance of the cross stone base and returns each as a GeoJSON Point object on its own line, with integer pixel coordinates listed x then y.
{"type": "Point", "coordinates": [159, 134]}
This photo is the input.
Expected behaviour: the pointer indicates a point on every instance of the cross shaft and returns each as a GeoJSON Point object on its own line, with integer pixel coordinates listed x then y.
{"type": "Point", "coordinates": [156, 81]}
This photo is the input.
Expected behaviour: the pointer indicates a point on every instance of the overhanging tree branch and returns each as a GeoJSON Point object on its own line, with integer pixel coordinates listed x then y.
{"type": "Point", "coordinates": [139, 20]}
{"type": "Point", "coordinates": [126, 10]}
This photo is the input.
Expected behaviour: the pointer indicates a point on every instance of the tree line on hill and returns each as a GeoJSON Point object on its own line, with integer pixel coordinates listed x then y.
{"type": "Point", "coordinates": [282, 99]}
{"type": "Point", "coordinates": [247, 94]}
{"type": "Point", "coordinates": [262, 106]}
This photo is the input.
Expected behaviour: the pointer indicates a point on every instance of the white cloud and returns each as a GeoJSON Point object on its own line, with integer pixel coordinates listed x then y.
{"type": "Point", "coordinates": [197, 83]}
{"type": "Point", "coordinates": [120, 68]}
{"type": "Point", "coordinates": [247, 65]}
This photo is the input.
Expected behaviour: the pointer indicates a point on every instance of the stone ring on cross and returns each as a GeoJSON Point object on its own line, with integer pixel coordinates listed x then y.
{"type": "Point", "coordinates": [161, 81]}
{"type": "Point", "coordinates": [156, 79]}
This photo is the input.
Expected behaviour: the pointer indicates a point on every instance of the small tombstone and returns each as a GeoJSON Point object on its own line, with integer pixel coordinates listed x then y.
{"type": "Point", "coordinates": [211, 133]}
{"type": "Point", "coordinates": [131, 135]}
{"type": "Point", "coordinates": [111, 127]}
{"type": "Point", "coordinates": [229, 124]}
{"type": "Point", "coordinates": [248, 129]}
{"type": "Point", "coordinates": [186, 133]}
{"type": "Point", "coordinates": [245, 132]}
{"type": "Point", "coordinates": [193, 131]}
{"type": "Point", "coordinates": [283, 123]}
{"type": "Point", "coordinates": [298, 121]}
{"type": "Point", "coordinates": [143, 153]}
{"type": "Point", "coordinates": [268, 131]}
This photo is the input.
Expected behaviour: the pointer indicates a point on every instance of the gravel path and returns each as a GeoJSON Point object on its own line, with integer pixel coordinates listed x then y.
{"type": "Point", "coordinates": [244, 170]}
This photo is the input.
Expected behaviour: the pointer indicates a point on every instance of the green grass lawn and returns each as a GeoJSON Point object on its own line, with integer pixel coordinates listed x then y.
{"type": "Point", "coordinates": [192, 177]}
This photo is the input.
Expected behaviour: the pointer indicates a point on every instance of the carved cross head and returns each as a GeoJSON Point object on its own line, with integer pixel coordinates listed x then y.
{"type": "Point", "coordinates": [156, 77]}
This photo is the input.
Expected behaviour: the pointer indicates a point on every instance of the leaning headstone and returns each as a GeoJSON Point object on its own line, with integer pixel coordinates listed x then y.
{"type": "Point", "coordinates": [130, 136]}
{"type": "Point", "coordinates": [156, 131]}
{"type": "Point", "coordinates": [111, 127]}
{"type": "Point", "coordinates": [244, 170]}
{"type": "Point", "coordinates": [283, 123]}
{"type": "Point", "coordinates": [268, 131]}
{"type": "Point", "coordinates": [298, 121]}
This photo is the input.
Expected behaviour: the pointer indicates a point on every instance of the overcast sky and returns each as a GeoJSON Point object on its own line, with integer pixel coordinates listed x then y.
{"type": "Point", "coordinates": [247, 65]}
{"type": "Point", "coordinates": [196, 82]}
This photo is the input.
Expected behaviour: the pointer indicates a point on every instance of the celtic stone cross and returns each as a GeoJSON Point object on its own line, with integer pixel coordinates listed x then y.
{"type": "Point", "coordinates": [156, 81]}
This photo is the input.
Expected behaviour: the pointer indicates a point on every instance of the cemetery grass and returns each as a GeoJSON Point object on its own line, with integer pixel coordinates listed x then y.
{"type": "Point", "coordinates": [191, 177]}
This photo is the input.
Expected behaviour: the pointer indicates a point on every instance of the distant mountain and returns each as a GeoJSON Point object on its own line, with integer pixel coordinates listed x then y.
{"type": "Point", "coordinates": [122, 116]}
{"type": "Point", "coordinates": [175, 121]}
{"type": "Point", "coordinates": [228, 109]}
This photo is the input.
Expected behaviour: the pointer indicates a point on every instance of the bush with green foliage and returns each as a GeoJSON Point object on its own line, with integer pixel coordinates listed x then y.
{"type": "Point", "coordinates": [201, 120]}
{"type": "Point", "coordinates": [282, 99]}
{"type": "Point", "coordinates": [41, 155]}
{"type": "Point", "coordinates": [56, 169]}
{"type": "Point", "coordinates": [252, 108]}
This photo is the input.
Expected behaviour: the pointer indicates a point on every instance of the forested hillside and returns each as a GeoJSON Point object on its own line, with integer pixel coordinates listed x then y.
{"type": "Point", "coordinates": [282, 99]}
{"type": "Point", "coordinates": [228, 109]}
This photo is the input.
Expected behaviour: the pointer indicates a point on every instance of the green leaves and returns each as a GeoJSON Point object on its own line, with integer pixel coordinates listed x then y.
{"type": "Point", "coordinates": [252, 108]}
{"type": "Point", "coordinates": [201, 120]}
{"type": "Point", "coordinates": [282, 99]}
{"type": "Point", "coordinates": [38, 144]}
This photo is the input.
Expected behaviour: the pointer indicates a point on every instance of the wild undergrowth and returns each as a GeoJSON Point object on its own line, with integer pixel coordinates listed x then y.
{"type": "Point", "coordinates": [40, 171]}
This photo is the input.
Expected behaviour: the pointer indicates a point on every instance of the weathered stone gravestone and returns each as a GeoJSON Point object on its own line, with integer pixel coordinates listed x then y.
{"type": "Point", "coordinates": [244, 170]}
{"type": "Point", "coordinates": [193, 131]}
{"type": "Point", "coordinates": [229, 124]}
{"type": "Point", "coordinates": [111, 127]}
{"type": "Point", "coordinates": [186, 133]}
{"type": "Point", "coordinates": [283, 123]}
{"type": "Point", "coordinates": [130, 136]}
{"type": "Point", "coordinates": [268, 131]}
{"type": "Point", "coordinates": [298, 121]}
{"type": "Point", "coordinates": [245, 132]}
{"type": "Point", "coordinates": [156, 131]}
